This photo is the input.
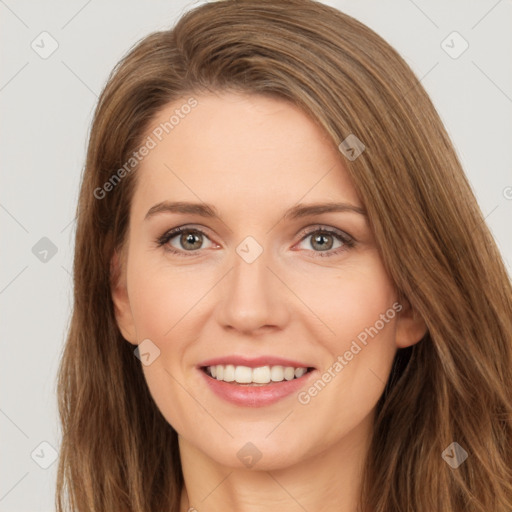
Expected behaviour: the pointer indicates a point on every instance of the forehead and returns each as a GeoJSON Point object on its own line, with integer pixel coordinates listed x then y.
{"type": "Point", "coordinates": [237, 147]}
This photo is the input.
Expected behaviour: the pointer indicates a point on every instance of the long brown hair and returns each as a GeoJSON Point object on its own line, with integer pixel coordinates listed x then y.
{"type": "Point", "coordinates": [118, 453]}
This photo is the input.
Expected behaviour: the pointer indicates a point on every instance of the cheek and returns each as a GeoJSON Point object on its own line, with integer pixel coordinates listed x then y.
{"type": "Point", "coordinates": [359, 309]}
{"type": "Point", "coordinates": [161, 298]}
{"type": "Point", "coordinates": [349, 300]}
{"type": "Point", "coordinates": [161, 301]}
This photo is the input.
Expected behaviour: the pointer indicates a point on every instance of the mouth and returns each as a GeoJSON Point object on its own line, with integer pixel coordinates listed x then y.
{"type": "Point", "coordinates": [258, 376]}
{"type": "Point", "coordinates": [255, 381]}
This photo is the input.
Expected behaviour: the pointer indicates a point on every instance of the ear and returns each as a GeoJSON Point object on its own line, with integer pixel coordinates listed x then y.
{"type": "Point", "coordinates": [119, 291]}
{"type": "Point", "coordinates": [410, 326]}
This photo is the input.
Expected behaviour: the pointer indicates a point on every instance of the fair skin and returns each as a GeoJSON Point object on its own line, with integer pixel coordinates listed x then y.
{"type": "Point", "coordinates": [252, 158]}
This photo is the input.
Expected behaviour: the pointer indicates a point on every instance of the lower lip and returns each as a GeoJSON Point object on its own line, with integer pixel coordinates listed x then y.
{"type": "Point", "coordinates": [255, 396]}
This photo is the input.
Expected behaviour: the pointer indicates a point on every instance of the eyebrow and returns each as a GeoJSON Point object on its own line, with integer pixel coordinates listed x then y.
{"type": "Point", "coordinates": [296, 212]}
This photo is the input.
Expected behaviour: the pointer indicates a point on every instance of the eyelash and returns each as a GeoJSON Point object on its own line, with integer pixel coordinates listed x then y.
{"type": "Point", "coordinates": [347, 241]}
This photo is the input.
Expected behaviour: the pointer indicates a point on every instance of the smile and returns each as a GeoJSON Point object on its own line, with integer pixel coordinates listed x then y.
{"type": "Point", "coordinates": [260, 375]}
{"type": "Point", "coordinates": [256, 385]}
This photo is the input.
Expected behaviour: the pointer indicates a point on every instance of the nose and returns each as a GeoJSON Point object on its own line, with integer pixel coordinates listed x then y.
{"type": "Point", "coordinates": [253, 298]}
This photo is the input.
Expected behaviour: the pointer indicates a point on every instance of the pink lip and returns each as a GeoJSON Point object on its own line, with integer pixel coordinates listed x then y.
{"type": "Point", "coordinates": [255, 396]}
{"type": "Point", "coordinates": [253, 362]}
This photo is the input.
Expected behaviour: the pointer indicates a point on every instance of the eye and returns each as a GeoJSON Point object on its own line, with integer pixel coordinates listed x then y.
{"type": "Point", "coordinates": [322, 240]}
{"type": "Point", "coordinates": [187, 240]}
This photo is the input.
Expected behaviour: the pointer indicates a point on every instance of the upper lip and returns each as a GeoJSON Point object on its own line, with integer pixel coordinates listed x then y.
{"type": "Point", "coordinates": [253, 362]}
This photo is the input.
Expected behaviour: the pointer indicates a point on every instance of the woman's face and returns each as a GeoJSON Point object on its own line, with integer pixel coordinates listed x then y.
{"type": "Point", "coordinates": [256, 282]}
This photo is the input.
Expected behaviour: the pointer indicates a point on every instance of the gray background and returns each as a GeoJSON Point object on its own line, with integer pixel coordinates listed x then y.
{"type": "Point", "coordinates": [46, 110]}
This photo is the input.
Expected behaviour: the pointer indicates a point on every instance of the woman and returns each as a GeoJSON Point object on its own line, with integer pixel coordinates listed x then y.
{"type": "Point", "coordinates": [286, 296]}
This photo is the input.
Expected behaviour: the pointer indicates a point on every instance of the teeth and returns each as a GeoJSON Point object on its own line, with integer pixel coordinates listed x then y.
{"type": "Point", "coordinates": [243, 374]}
{"type": "Point", "coordinates": [260, 375]}
{"type": "Point", "coordinates": [299, 372]}
{"type": "Point", "coordinates": [276, 373]}
{"type": "Point", "coordinates": [229, 373]}
{"type": "Point", "coordinates": [289, 373]}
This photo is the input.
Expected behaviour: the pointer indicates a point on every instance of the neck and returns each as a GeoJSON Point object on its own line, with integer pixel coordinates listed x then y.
{"type": "Point", "coordinates": [327, 481]}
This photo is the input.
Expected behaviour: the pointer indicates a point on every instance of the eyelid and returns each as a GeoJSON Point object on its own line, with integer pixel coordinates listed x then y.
{"type": "Point", "coordinates": [322, 227]}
